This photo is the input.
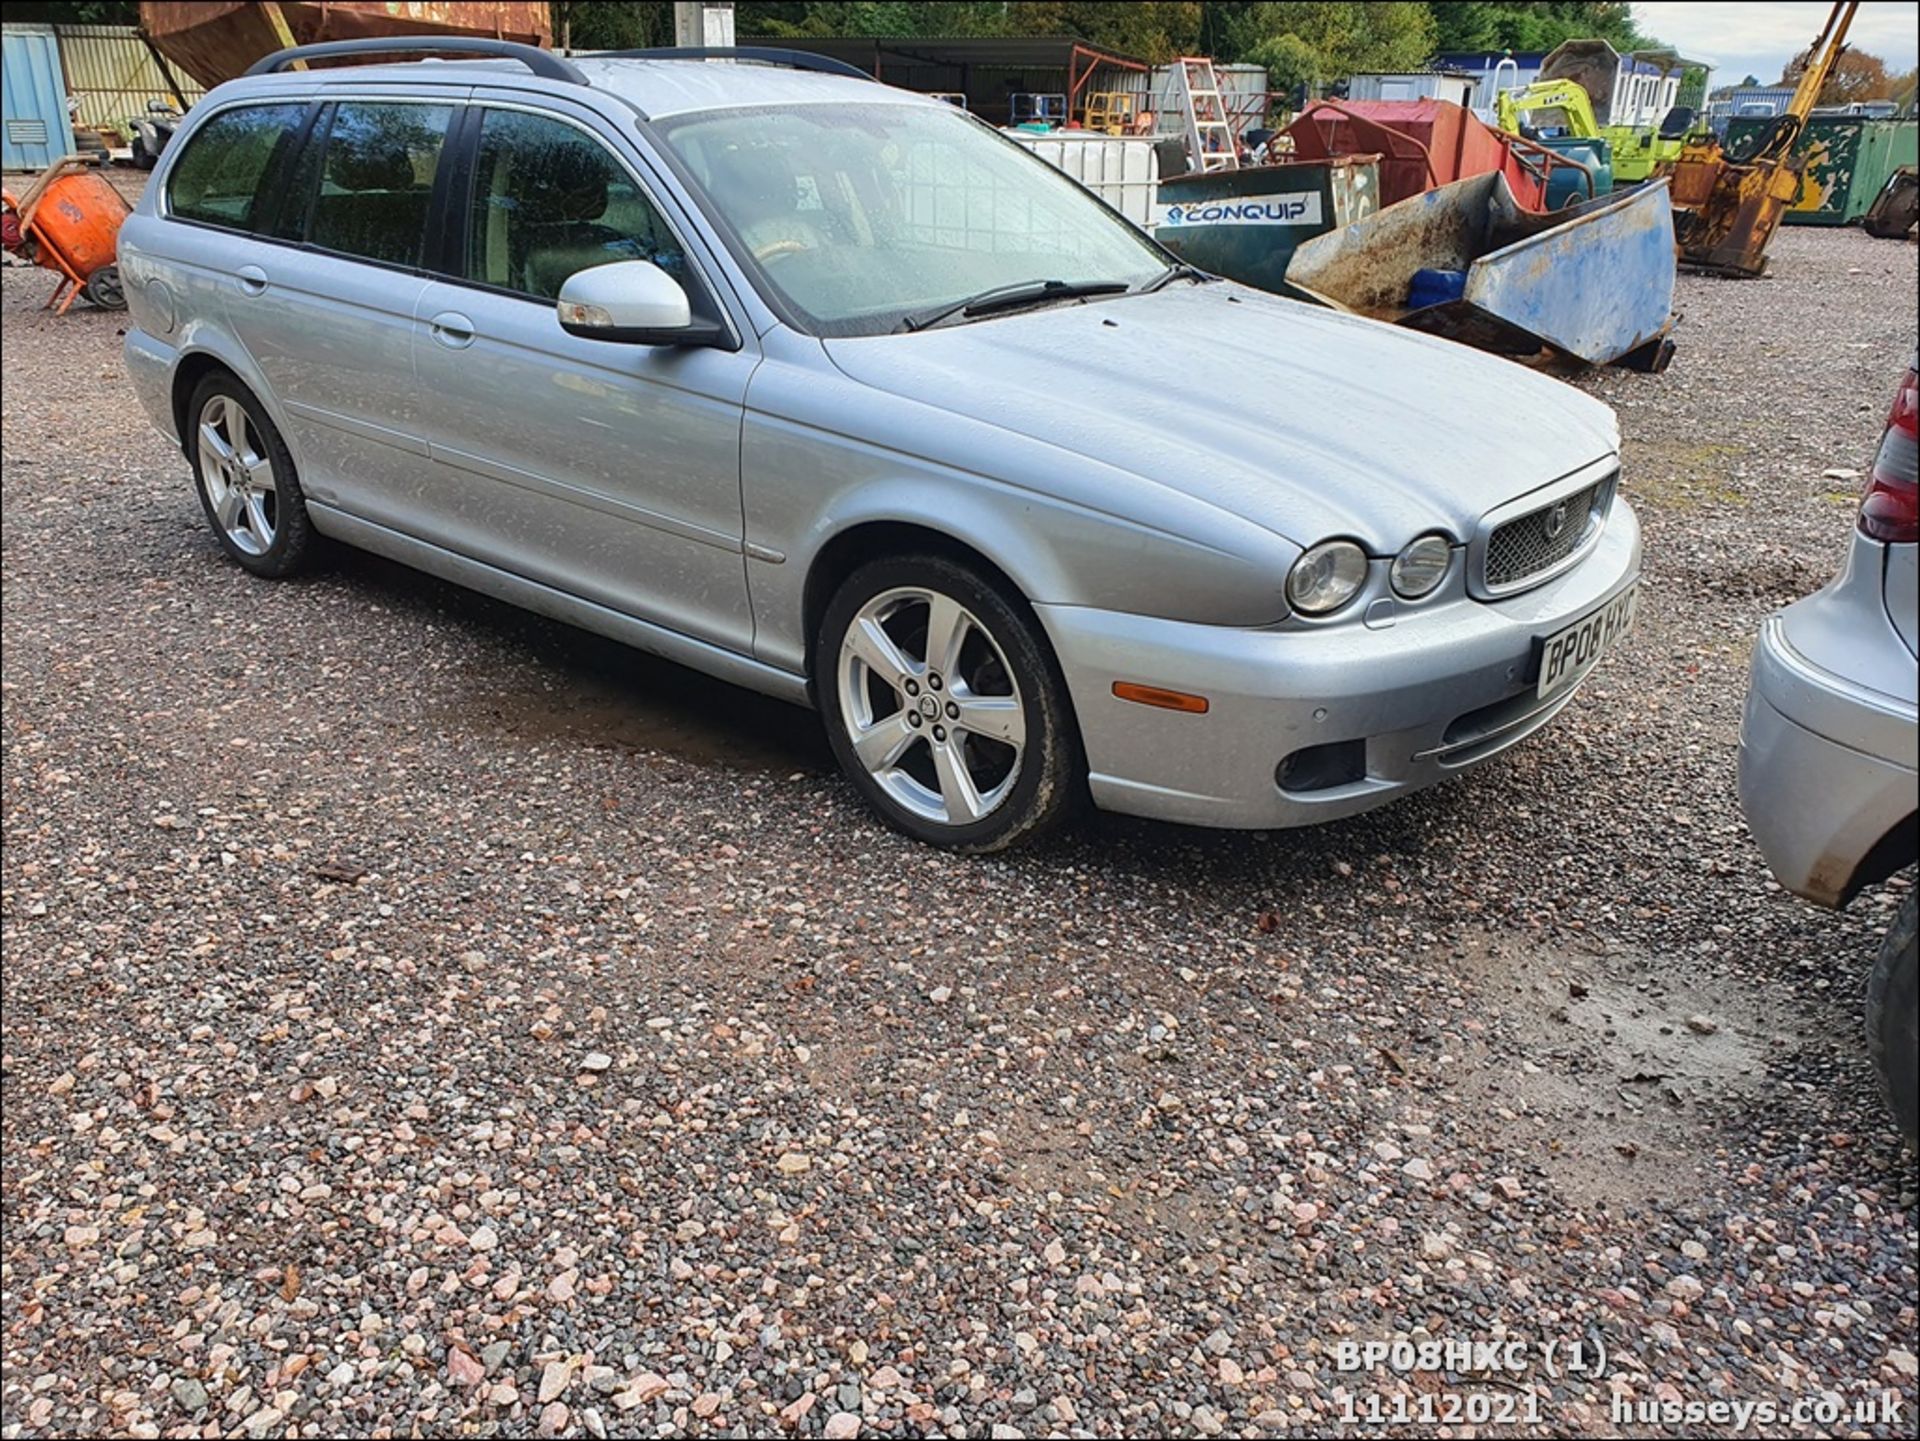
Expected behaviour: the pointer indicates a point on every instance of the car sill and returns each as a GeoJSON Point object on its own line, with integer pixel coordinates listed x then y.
{"type": "Point", "coordinates": [559, 605]}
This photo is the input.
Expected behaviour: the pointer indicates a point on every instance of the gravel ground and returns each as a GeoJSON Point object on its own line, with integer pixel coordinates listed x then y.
{"type": "Point", "coordinates": [422, 1019]}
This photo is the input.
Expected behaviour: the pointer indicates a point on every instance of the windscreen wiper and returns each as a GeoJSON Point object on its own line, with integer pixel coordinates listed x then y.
{"type": "Point", "coordinates": [1012, 297]}
{"type": "Point", "coordinates": [1177, 271]}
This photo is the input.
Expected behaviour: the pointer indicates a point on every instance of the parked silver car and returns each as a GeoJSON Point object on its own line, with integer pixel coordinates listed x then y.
{"type": "Point", "coordinates": [1829, 739]}
{"type": "Point", "coordinates": [831, 390]}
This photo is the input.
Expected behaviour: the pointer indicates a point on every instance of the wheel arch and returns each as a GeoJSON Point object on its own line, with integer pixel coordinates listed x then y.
{"type": "Point", "coordinates": [1060, 774]}
{"type": "Point", "coordinates": [1888, 856]}
{"type": "Point", "coordinates": [847, 549]}
{"type": "Point", "coordinates": [194, 367]}
{"type": "Point", "coordinates": [204, 351]}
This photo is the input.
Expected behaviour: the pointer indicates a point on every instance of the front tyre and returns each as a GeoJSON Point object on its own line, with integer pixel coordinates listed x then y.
{"type": "Point", "coordinates": [1892, 1002]}
{"type": "Point", "coordinates": [944, 706]}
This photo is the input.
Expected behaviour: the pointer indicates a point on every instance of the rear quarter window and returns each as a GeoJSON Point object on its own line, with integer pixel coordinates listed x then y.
{"type": "Point", "coordinates": [221, 179]}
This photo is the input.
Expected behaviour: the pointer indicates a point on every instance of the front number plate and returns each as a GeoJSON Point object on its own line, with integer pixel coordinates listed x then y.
{"type": "Point", "coordinates": [1568, 655]}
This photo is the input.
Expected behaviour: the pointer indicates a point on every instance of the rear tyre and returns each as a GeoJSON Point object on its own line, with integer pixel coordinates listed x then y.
{"type": "Point", "coordinates": [1893, 1026]}
{"type": "Point", "coordinates": [247, 483]}
{"type": "Point", "coordinates": [944, 705]}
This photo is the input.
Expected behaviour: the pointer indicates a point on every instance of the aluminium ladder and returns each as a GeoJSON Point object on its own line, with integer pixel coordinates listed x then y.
{"type": "Point", "coordinates": [1210, 136]}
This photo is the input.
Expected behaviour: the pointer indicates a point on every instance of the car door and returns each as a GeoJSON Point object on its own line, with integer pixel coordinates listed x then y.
{"type": "Point", "coordinates": [607, 470]}
{"type": "Point", "coordinates": [229, 173]}
{"type": "Point", "coordinates": [325, 307]}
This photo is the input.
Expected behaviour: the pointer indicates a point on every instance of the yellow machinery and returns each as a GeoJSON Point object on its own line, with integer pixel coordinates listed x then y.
{"type": "Point", "coordinates": [1110, 110]}
{"type": "Point", "coordinates": [1564, 108]}
{"type": "Point", "coordinates": [1639, 150]}
{"type": "Point", "coordinates": [1724, 210]}
{"type": "Point", "coordinates": [1545, 98]}
{"type": "Point", "coordinates": [1617, 89]}
{"type": "Point", "coordinates": [1632, 152]}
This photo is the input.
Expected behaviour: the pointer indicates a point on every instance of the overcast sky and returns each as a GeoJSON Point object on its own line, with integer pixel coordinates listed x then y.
{"type": "Point", "coordinates": [1758, 37]}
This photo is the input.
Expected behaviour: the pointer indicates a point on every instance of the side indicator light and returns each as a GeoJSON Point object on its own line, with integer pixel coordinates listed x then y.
{"type": "Point", "coordinates": [1153, 695]}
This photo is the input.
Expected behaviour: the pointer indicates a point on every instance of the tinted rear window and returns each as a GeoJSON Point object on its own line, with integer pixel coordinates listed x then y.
{"type": "Point", "coordinates": [376, 180]}
{"type": "Point", "coordinates": [219, 179]}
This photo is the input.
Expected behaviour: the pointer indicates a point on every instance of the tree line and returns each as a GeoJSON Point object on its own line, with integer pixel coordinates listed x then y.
{"type": "Point", "coordinates": [1298, 41]}
{"type": "Point", "coordinates": [1339, 38]}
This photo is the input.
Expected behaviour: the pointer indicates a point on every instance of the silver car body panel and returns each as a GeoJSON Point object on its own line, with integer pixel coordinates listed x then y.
{"type": "Point", "coordinates": [1305, 422]}
{"type": "Point", "coordinates": [561, 605]}
{"type": "Point", "coordinates": [659, 88]}
{"type": "Point", "coordinates": [1144, 470]}
{"type": "Point", "coordinates": [553, 484]}
{"type": "Point", "coordinates": [1902, 591]}
{"type": "Point", "coordinates": [1832, 724]}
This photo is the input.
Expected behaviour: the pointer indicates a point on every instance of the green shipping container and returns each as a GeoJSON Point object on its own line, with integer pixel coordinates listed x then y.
{"type": "Point", "coordinates": [1849, 158]}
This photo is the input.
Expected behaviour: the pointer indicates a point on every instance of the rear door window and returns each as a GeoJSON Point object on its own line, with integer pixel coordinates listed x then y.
{"type": "Point", "coordinates": [222, 178]}
{"type": "Point", "coordinates": [548, 201]}
{"type": "Point", "coordinates": [376, 180]}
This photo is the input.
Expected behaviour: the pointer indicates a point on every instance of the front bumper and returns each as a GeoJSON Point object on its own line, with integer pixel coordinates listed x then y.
{"type": "Point", "coordinates": [1428, 695]}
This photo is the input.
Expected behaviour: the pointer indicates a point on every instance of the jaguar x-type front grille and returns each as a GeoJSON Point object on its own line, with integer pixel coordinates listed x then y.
{"type": "Point", "coordinates": [1530, 540]}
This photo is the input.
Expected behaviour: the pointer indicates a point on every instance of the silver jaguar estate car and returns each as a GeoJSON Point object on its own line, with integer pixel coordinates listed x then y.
{"type": "Point", "coordinates": [833, 391]}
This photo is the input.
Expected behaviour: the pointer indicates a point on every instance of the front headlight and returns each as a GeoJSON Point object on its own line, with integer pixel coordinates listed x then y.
{"type": "Point", "coordinates": [1327, 577]}
{"type": "Point", "coordinates": [1421, 566]}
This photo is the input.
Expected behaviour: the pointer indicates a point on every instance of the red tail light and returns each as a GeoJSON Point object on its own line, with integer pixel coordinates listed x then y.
{"type": "Point", "coordinates": [1890, 510]}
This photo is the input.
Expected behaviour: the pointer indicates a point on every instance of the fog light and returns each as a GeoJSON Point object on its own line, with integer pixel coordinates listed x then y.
{"type": "Point", "coordinates": [1321, 768]}
{"type": "Point", "coordinates": [1421, 566]}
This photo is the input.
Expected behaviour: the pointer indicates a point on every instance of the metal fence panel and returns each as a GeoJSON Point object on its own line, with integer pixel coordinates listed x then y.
{"type": "Point", "coordinates": [113, 75]}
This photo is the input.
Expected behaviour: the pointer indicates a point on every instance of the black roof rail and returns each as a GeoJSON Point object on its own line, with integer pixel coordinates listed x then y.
{"type": "Point", "coordinates": [764, 54]}
{"type": "Point", "coordinates": [543, 63]}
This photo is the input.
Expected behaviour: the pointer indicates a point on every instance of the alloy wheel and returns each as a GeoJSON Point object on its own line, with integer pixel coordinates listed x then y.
{"type": "Point", "coordinates": [240, 481]}
{"type": "Point", "coordinates": [931, 706]}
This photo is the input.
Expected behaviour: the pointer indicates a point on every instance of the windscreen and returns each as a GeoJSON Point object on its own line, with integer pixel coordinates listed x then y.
{"type": "Point", "coordinates": [857, 217]}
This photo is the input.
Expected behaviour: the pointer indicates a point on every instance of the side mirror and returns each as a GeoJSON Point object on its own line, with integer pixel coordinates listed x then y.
{"type": "Point", "coordinates": [159, 107]}
{"type": "Point", "coordinates": [633, 301]}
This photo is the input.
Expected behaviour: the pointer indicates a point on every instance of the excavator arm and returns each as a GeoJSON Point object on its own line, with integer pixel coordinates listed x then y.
{"type": "Point", "coordinates": [1725, 211]}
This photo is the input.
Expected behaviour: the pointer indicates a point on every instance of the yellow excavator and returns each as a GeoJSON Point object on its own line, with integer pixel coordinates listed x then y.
{"type": "Point", "coordinates": [1725, 209]}
{"type": "Point", "coordinates": [1564, 107]}
{"type": "Point", "coordinates": [1563, 104]}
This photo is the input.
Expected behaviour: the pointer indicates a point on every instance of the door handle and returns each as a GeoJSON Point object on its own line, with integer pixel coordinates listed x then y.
{"type": "Point", "coordinates": [253, 280]}
{"type": "Point", "coordinates": [451, 329]}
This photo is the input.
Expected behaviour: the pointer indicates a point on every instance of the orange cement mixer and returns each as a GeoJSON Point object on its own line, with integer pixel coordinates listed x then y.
{"type": "Point", "coordinates": [68, 221]}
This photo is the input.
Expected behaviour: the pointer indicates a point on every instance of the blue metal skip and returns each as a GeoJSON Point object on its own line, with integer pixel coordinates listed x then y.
{"type": "Point", "coordinates": [1599, 285]}
{"type": "Point", "coordinates": [33, 99]}
{"type": "Point", "coordinates": [1594, 281]}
